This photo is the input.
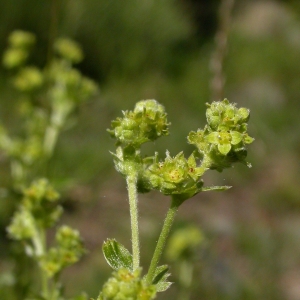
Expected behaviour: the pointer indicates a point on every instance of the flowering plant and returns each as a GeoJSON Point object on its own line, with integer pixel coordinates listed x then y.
{"type": "Point", "coordinates": [221, 143]}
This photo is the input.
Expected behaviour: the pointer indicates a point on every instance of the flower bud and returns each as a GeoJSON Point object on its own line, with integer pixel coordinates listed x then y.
{"type": "Point", "coordinates": [176, 176]}
{"type": "Point", "coordinates": [147, 122]}
{"type": "Point", "coordinates": [13, 58]}
{"type": "Point", "coordinates": [28, 79]}
{"type": "Point", "coordinates": [69, 50]}
{"type": "Point", "coordinates": [222, 115]}
{"type": "Point", "coordinates": [21, 39]}
{"type": "Point", "coordinates": [22, 226]}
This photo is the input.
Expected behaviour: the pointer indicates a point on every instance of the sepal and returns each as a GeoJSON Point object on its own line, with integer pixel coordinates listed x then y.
{"type": "Point", "coordinates": [216, 188]}
{"type": "Point", "coordinates": [160, 278]}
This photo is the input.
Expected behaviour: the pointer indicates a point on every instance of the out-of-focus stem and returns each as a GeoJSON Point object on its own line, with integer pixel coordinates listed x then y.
{"type": "Point", "coordinates": [54, 14]}
{"type": "Point", "coordinates": [217, 59]}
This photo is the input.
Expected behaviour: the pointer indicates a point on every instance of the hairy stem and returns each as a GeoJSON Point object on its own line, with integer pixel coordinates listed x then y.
{"type": "Point", "coordinates": [133, 199]}
{"type": "Point", "coordinates": [163, 238]}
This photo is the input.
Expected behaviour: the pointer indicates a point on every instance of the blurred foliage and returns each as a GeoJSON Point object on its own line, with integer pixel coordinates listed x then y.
{"type": "Point", "coordinates": [155, 50]}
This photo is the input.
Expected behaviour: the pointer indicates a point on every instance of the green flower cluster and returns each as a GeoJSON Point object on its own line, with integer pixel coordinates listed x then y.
{"type": "Point", "coordinates": [20, 43]}
{"type": "Point", "coordinates": [126, 285]}
{"type": "Point", "coordinates": [47, 99]}
{"type": "Point", "coordinates": [28, 79]}
{"type": "Point", "coordinates": [147, 122]}
{"type": "Point", "coordinates": [69, 50]}
{"type": "Point", "coordinates": [39, 208]}
{"type": "Point", "coordinates": [68, 251]}
{"type": "Point", "coordinates": [176, 176]}
{"type": "Point", "coordinates": [223, 140]}
{"type": "Point", "coordinates": [221, 143]}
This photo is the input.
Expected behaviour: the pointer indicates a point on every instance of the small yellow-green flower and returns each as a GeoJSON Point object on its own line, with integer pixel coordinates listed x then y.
{"type": "Point", "coordinates": [226, 139]}
{"type": "Point", "coordinates": [176, 176]}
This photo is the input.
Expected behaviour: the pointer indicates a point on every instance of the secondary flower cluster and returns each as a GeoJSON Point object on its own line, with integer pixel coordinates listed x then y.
{"type": "Point", "coordinates": [68, 250]}
{"type": "Point", "coordinates": [47, 96]}
{"type": "Point", "coordinates": [223, 140]}
{"type": "Point", "coordinates": [39, 210]}
{"type": "Point", "coordinates": [124, 285]}
{"type": "Point", "coordinates": [147, 122]}
{"type": "Point", "coordinates": [20, 43]}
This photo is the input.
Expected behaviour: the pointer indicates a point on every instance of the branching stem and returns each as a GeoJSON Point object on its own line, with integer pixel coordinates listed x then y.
{"type": "Point", "coordinates": [162, 238]}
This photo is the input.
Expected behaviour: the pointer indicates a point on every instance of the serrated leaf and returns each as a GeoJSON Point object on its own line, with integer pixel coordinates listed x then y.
{"type": "Point", "coordinates": [216, 188]}
{"type": "Point", "coordinates": [160, 277]}
{"type": "Point", "coordinates": [116, 255]}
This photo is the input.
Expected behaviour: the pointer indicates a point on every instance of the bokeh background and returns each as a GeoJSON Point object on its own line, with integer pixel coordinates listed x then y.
{"type": "Point", "coordinates": [151, 49]}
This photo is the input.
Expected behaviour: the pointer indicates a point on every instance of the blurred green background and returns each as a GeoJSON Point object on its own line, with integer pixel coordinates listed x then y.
{"type": "Point", "coordinates": [150, 49]}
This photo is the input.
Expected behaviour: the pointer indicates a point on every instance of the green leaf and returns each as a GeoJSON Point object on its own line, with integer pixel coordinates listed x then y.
{"type": "Point", "coordinates": [160, 277]}
{"type": "Point", "coordinates": [216, 188]}
{"type": "Point", "coordinates": [116, 255]}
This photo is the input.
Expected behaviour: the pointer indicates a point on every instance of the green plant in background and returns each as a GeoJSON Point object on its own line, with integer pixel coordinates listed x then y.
{"type": "Point", "coordinates": [38, 211]}
{"type": "Point", "coordinates": [221, 143]}
{"type": "Point", "coordinates": [47, 98]}
{"type": "Point", "coordinates": [181, 251]}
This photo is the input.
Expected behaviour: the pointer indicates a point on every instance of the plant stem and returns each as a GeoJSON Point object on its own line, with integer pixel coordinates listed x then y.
{"type": "Point", "coordinates": [131, 181]}
{"type": "Point", "coordinates": [39, 242]}
{"type": "Point", "coordinates": [162, 238]}
{"type": "Point", "coordinates": [218, 56]}
{"type": "Point", "coordinates": [53, 28]}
